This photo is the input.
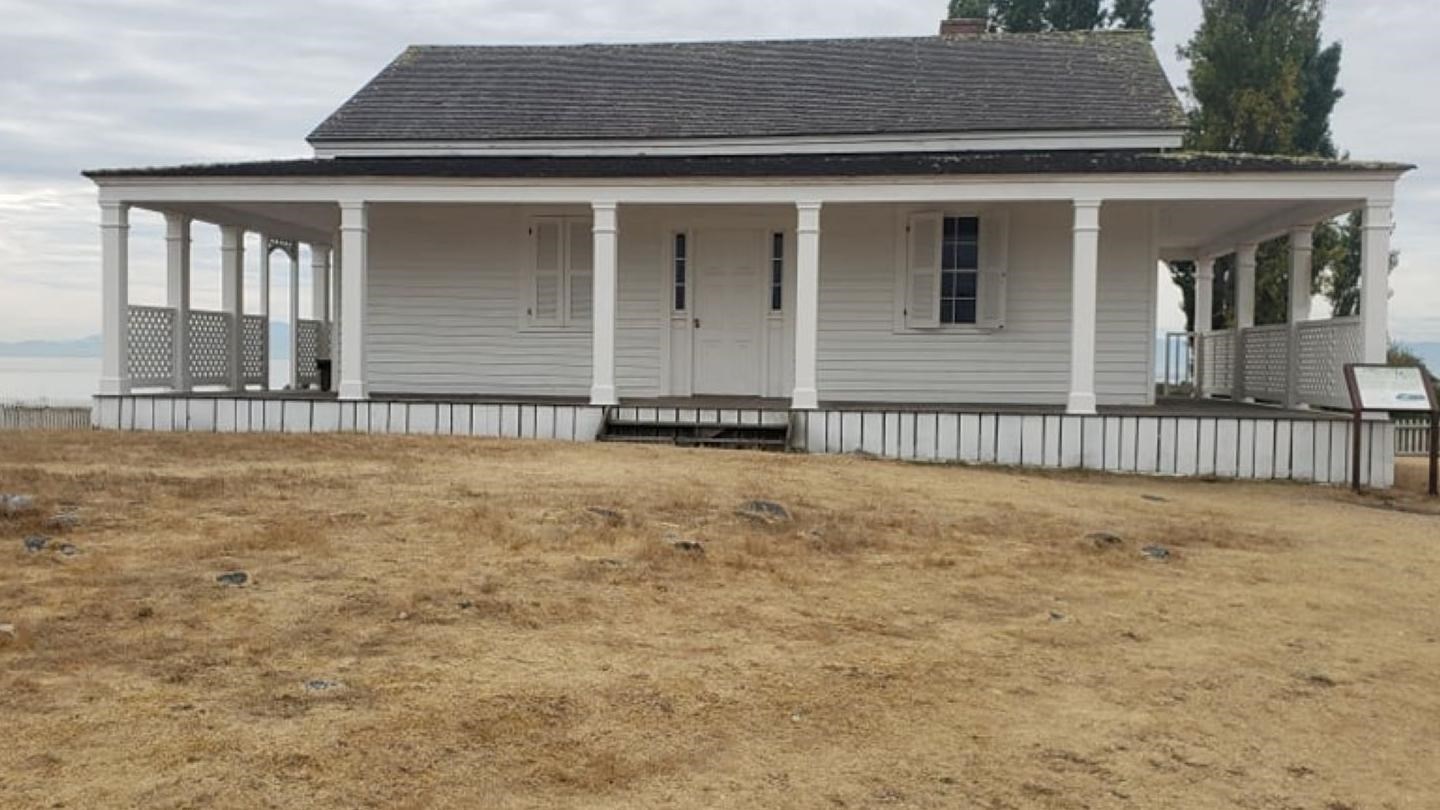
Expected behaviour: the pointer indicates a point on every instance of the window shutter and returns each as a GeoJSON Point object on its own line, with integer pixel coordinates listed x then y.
{"type": "Point", "coordinates": [547, 276]}
{"type": "Point", "coordinates": [581, 267]}
{"type": "Point", "coordinates": [994, 260]}
{"type": "Point", "coordinates": [922, 291]}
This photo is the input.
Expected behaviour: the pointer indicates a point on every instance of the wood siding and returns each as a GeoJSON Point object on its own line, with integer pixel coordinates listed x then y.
{"type": "Point", "coordinates": [447, 282]}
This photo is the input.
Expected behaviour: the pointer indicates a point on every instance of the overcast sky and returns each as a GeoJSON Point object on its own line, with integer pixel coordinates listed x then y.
{"type": "Point", "coordinates": [96, 83]}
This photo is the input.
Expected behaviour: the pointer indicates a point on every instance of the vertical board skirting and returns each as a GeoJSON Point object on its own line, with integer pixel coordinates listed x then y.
{"type": "Point", "coordinates": [1251, 447]}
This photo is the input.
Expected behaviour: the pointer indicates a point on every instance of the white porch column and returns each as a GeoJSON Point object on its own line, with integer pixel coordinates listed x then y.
{"type": "Point", "coordinates": [1084, 300]}
{"type": "Point", "coordinates": [1204, 316]}
{"type": "Point", "coordinates": [177, 291]}
{"type": "Point", "coordinates": [295, 318]}
{"type": "Point", "coordinates": [354, 236]}
{"type": "Point", "coordinates": [1375, 280]}
{"type": "Point", "coordinates": [1244, 313]}
{"type": "Point", "coordinates": [265, 303]}
{"type": "Point", "coordinates": [1302, 247]}
{"type": "Point", "coordinates": [1205, 294]}
{"type": "Point", "coordinates": [1245, 285]}
{"type": "Point", "coordinates": [337, 312]}
{"type": "Point", "coordinates": [602, 389]}
{"type": "Point", "coordinates": [232, 295]}
{"type": "Point", "coordinates": [1302, 238]}
{"type": "Point", "coordinates": [320, 282]}
{"type": "Point", "coordinates": [806, 395]}
{"type": "Point", "coordinates": [115, 316]}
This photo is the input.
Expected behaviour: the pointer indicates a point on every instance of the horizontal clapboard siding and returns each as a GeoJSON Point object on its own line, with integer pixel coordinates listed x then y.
{"type": "Point", "coordinates": [446, 282]}
{"type": "Point", "coordinates": [446, 285]}
{"type": "Point", "coordinates": [862, 358]}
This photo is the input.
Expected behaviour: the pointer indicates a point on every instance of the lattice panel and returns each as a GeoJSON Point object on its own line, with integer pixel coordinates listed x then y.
{"type": "Point", "coordinates": [1219, 362]}
{"type": "Point", "coordinates": [308, 340]}
{"type": "Point", "coordinates": [209, 347]}
{"type": "Point", "coordinates": [152, 346]}
{"type": "Point", "coordinates": [255, 350]}
{"type": "Point", "coordinates": [1267, 361]}
{"type": "Point", "coordinates": [1325, 347]}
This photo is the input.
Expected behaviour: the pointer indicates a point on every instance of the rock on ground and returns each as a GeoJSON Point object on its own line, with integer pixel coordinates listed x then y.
{"type": "Point", "coordinates": [16, 504]}
{"type": "Point", "coordinates": [765, 511]}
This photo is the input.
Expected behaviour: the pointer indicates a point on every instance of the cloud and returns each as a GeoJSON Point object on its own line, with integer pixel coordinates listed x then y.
{"type": "Point", "coordinates": [91, 83]}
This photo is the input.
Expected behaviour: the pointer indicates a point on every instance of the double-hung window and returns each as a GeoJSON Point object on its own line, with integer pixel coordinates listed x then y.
{"type": "Point", "coordinates": [954, 272]}
{"type": "Point", "coordinates": [561, 289]}
{"type": "Point", "coordinates": [959, 270]}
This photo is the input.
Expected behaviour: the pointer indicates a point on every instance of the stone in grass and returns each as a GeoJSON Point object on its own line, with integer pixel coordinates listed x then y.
{"type": "Point", "coordinates": [63, 521]}
{"type": "Point", "coordinates": [68, 549]}
{"type": "Point", "coordinates": [320, 686]}
{"type": "Point", "coordinates": [233, 579]}
{"type": "Point", "coordinates": [1103, 540]}
{"type": "Point", "coordinates": [1156, 552]}
{"type": "Point", "coordinates": [16, 504]}
{"type": "Point", "coordinates": [1155, 499]}
{"type": "Point", "coordinates": [36, 543]}
{"type": "Point", "coordinates": [613, 517]}
{"type": "Point", "coordinates": [765, 511]}
{"type": "Point", "coordinates": [685, 544]}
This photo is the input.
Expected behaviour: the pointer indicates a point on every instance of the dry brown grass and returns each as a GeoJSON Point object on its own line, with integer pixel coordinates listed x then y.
{"type": "Point", "coordinates": [917, 637]}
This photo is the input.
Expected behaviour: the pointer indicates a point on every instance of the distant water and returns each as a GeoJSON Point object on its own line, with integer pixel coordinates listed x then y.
{"type": "Point", "coordinates": [72, 380]}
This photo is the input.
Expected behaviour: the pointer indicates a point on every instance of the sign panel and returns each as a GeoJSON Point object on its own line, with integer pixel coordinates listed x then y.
{"type": "Point", "coordinates": [1392, 388]}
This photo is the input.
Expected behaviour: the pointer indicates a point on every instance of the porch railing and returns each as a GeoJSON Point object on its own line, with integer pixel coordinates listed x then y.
{"type": "Point", "coordinates": [1412, 437]}
{"type": "Point", "coordinates": [311, 343]}
{"type": "Point", "coordinates": [1293, 365]}
{"type": "Point", "coordinates": [151, 357]}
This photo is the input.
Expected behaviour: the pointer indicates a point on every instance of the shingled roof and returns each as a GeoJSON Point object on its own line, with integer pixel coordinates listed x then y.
{"type": "Point", "coordinates": [819, 87]}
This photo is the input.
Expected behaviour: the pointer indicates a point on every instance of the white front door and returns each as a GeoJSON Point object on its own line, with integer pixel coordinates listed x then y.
{"type": "Point", "coordinates": [728, 321]}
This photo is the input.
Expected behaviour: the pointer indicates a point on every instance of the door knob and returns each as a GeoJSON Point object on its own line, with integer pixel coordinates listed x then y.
{"type": "Point", "coordinates": [697, 323]}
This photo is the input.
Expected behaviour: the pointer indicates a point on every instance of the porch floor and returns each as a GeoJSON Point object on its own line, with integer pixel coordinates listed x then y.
{"type": "Point", "coordinates": [1164, 406]}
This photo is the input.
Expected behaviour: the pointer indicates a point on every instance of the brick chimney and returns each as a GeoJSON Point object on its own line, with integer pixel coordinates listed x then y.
{"type": "Point", "coordinates": [962, 27]}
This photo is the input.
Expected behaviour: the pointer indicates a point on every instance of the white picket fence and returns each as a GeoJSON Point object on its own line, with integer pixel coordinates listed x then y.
{"type": "Point", "coordinates": [1412, 437]}
{"type": "Point", "coordinates": [43, 417]}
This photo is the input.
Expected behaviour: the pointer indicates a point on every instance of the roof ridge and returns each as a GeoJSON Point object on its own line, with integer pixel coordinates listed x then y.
{"type": "Point", "coordinates": [988, 36]}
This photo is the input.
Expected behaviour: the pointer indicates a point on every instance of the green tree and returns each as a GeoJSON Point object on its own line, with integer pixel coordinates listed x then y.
{"type": "Point", "coordinates": [1074, 15]}
{"type": "Point", "coordinates": [1262, 83]}
{"type": "Point", "coordinates": [1018, 16]}
{"type": "Point", "coordinates": [1133, 15]}
{"type": "Point", "coordinates": [969, 9]}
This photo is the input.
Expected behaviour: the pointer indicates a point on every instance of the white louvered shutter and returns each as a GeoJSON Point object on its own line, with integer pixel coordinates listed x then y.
{"type": "Point", "coordinates": [547, 276]}
{"type": "Point", "coordinates": [581, 266]}
{"type": "Point", "coordinates": [994, 260]}
{"type": "Point", "coordinates": [922, 290]}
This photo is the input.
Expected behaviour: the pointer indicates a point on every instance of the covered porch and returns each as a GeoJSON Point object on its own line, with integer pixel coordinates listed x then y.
{"type": "Point", "coordinates": [590, 285]}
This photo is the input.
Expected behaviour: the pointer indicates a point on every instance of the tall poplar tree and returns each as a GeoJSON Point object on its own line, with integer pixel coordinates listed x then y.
{"type": "Point", "coordinates": [1262, 83]}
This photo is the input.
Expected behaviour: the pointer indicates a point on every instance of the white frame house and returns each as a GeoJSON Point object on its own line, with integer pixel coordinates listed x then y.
{"type": "Point", "coordinates": [1066, 270]}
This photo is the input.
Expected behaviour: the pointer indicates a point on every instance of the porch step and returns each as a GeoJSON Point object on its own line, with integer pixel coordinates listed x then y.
{"type": "Point", "coordinates": [696, 433]}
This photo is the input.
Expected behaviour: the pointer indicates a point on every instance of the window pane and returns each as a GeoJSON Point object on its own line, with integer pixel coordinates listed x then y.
{"type": "Point", "coordinates": [968, 228]}
{"type": "Point", "coordinates": [950, 256]}
{"type": "Point", "coordinates": [965, 284]}
{"type": "Point", "coordinates": [967, 256]}
{"type": "Point", "coordinates": [964, 311]}
{"type": "Point", "coordinates": [776, 298]}
{"type": "Point", "coordinates": [680, 296]}
{"type": "Point", "coordinates": [947, 285]}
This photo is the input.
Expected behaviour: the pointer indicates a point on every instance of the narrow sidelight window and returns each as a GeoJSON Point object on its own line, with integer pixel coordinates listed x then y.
{"type": "Point", "coordinates": [960, 270]}
{"type": "Point", "coordinates": [777, 272]}
{"type": "Point", "coordinates": [681, 258]}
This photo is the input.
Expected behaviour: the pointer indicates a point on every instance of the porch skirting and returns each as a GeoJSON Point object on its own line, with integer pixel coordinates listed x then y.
{"type": "Point", "coordinates": [1254, 446]}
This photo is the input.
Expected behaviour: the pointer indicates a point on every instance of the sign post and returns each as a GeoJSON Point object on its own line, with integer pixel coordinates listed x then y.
{"type": "Point", "coordinates": [1390, 389]}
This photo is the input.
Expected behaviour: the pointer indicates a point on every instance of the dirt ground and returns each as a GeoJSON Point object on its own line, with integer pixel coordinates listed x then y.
{"type": "Point", "coordinates": [434, 623]}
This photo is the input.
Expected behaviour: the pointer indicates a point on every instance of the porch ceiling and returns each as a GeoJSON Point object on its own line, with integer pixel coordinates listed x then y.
{"type": "Point", "coordinates": [1187, 229]}
{"type": "Point", "coordinates": [314, 223]}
